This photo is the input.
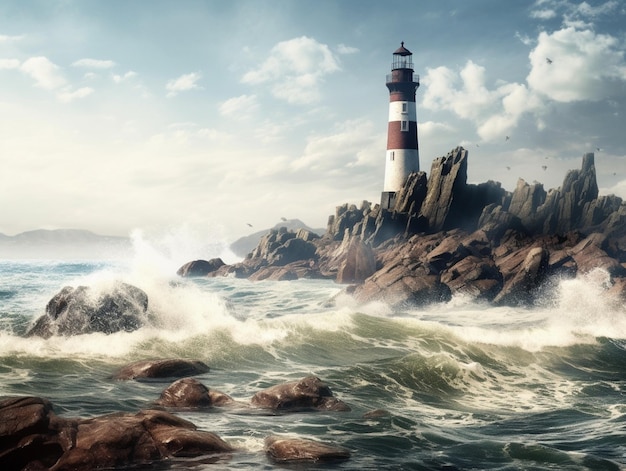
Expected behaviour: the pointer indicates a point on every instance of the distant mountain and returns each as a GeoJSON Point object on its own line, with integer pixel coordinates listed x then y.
{"type": "Point", "coordinates": [243, 246]}
{"type": "Point", "coordinates": [62, 244]}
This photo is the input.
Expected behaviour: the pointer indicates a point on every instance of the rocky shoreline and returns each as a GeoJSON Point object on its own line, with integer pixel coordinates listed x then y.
{"type": "Point", "coordinates": [446, 237]}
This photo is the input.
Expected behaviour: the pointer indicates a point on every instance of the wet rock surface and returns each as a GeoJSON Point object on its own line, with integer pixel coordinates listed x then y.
{"type": "Point", "coordinates": [33, 437]}
{"type": "Point", "coordinates": [84, 310]}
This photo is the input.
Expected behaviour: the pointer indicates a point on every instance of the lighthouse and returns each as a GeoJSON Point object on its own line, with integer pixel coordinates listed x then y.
{"type": "Point", "coordinates": [402, 150]}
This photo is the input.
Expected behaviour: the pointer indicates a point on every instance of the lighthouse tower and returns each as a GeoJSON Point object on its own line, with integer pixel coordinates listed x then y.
{"type": "Point", "coordinates": [402, 149]}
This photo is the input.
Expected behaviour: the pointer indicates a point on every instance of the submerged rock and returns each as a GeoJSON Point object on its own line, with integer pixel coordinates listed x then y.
{"type": "Point", "coordinates": [84, 310]}
{"type": "Point", "coordinates": [169, 368]}
{"type": "Point", "coordinates": [298, 449]}
{"type": "Point", "coordinates": [190, 393]}
{"type": "Point", "coordinates": [307, 393]}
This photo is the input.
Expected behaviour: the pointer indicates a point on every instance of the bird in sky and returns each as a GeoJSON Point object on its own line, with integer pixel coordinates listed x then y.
{"type": "Point", "coordinates": [283, 219]}
{"type": "Point", "coordinates": [548, 60]}
{"type": "Point", "coordinates": [508, 168]}
{"type": "Point", "coordinates": [507, 138]}
{"type": "Point", "coordinates": [250, 225]}
{"type": "Point", "coordinates": [544, 167]}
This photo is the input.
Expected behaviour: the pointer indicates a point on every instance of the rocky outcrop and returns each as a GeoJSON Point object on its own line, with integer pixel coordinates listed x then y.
{"type": "Point", "coordinates": [161, 369]}
{"type": "Point", "coordinates": [307, 393]}
{"type": "Point", "coordinates": [84, 310]}
{"type": "Point", "coordinates": [445, 237]}
{"type": "Point", "coordinates": [33, 437]}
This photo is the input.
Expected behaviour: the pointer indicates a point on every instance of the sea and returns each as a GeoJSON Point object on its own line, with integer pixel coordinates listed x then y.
{"type": "Point", "coordinates": [461, 385]}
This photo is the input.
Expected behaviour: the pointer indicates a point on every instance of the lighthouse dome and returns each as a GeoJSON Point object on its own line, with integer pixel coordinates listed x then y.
{"type": "Point", "coordinates": [402, 51]}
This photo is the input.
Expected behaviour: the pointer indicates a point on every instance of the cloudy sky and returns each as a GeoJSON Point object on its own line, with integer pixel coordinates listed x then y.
{"type": "Point", "coordinates": [117, 115]}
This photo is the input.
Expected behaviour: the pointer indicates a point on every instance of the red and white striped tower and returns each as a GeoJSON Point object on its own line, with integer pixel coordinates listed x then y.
{"type": "Point", "coordinates": [402, 149]}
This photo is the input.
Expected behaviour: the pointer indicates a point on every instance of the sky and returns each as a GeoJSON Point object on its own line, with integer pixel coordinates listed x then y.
{"type": "Point", "coordinates": [227, 116]}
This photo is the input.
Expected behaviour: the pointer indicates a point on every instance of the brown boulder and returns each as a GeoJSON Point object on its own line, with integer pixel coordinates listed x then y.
{"type": "Point", "coordinates": [190, 393]}
{"type": "Point", "coordinates": [33, 437]}
{"type": "Point", "coordinates": [297, 449]}
{"type": "Point", "coordinates": [171, 368]}
{"type": "Point", "coordinates": [307, 393]}
{"type": "Point", "coordinates": [200, 267]}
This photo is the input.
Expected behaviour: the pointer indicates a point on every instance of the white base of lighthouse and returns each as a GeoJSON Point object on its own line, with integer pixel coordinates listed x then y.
{"type": "Point", "coordinates": [398, 165]}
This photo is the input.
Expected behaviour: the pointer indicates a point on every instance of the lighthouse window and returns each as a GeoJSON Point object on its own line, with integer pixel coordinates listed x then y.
{"type": "Point", "coordinates": [391, 155]}
{"type": "Point", "coordinates": [404, 126]}
{"type": "Point", "coordinates": [405, 107]}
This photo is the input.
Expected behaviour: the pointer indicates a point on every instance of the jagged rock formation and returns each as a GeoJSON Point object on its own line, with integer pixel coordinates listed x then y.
{"type": "Point", "coordinates": [445, 236]}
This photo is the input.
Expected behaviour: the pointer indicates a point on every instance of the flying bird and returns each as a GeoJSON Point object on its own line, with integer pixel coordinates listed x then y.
{"type": "Point", "coordinates": [544, 167]}
{"type": "Point", "coordinates": [507, 138]}
{"type": "Point", "coordinates": [508, 168]}
{"type": "Point", "coordinates": [548, 60]}
{"type": "Point", "coordinates": [283, 219]}
{"type": "Point", "coordinates": [250, 225]}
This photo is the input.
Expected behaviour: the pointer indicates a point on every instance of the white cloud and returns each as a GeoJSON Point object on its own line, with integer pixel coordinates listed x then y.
{"type": "Point", "coordinates": [121, 78]}
{"type": "Point", "coordinates": [9, 39]}
{"type": "Point", "coordinates": [295, 69]}
{"type": "Point", "coordinates": [9, 64]}
{"type": "Point", "coordinates": [183, 83]}
{"type": "Point", "coordinates": [343, 49]}
{"type": "Point", "coordinates": [239, 107]}
{"type": "Point", "coordinates": [619, 189]}
{"type": "Point", "coordinates": [464, 93]}
{"type": "Point", "coordinates": [67, 96]}
{"type": "Point", "coordinates": [45, 73]}
{"type": "Point", "coordinates": [544, 14]}
{"type": "Point", "coordinates": [94, 64]}
{"type": "Point", "coordinates": [584, 9]}
{"type": "Point", "coordinates": [585, 65]}
{"type": "Point", "coordinates": [430, 128]}
{"type": "Point", "coordinates": [346, 148]}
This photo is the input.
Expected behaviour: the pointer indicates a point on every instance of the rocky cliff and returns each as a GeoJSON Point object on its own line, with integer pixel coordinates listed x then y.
{"type": "Point", "coordinates": [445, 236]}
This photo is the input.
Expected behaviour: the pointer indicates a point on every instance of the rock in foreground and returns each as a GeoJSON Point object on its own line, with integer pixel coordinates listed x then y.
{"type": "Point", "coordinates": [33, 437]}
